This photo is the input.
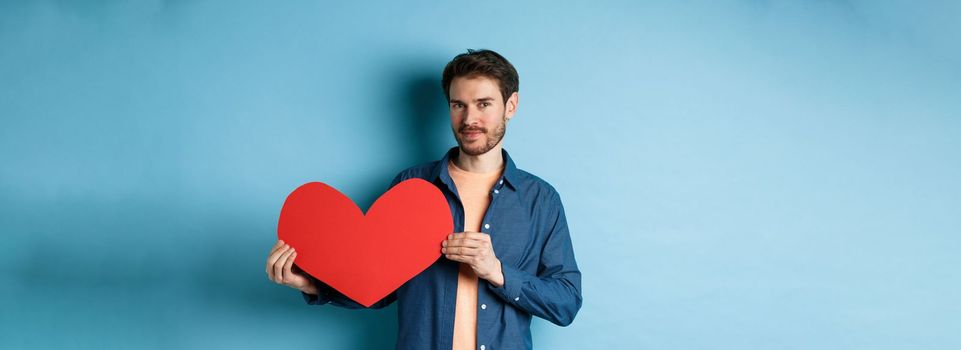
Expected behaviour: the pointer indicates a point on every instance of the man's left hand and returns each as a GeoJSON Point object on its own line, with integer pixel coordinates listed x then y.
{"type": "Point", "coordinates": [476, 250]}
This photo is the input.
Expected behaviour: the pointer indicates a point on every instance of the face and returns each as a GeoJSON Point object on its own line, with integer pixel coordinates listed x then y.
{"type": "Point", "coordinates": [479, 114]}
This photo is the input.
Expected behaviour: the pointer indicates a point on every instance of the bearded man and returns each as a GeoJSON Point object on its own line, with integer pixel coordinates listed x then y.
{"type": "Point", "coordinates": [511, 256]}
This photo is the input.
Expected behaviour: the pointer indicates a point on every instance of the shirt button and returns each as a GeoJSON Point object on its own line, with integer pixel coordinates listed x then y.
{"type": "Point", "coordinates": [517, 298]}
{"type": "Point", "coordinates": [496, 191]}
{"type": "Point", "coordinates": [500, 182]}
{"type": "Point", "coordinates": [483, 306]}
{"type": "Point", "coordinates": [483, 347]}
{"type": "Point", "coordinates": [487, 226]}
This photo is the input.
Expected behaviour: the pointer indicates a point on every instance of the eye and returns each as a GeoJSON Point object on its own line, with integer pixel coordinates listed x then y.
{"type": "Point", "coordinates": [485, 104]}
{"type": "Point", "coordinates": [456, 106]}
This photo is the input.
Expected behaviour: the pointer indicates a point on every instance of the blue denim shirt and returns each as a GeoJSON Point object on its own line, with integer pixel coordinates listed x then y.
{"type": "Point", "coordinates": [529, 234]}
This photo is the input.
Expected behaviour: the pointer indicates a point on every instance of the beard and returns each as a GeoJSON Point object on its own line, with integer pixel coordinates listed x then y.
{"type": "Point", "coordinates": [493, 138]}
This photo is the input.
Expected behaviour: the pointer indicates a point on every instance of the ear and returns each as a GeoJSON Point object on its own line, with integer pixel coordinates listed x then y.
{"type": "Point", "coordinates": [511, 106]}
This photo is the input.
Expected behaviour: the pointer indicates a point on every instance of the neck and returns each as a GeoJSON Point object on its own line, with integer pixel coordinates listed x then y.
{"type": "Point", "coordinates": [484, 163]}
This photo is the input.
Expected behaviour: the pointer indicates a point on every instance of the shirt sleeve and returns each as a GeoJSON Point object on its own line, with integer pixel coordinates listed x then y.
{"type": "Point", "coordinates": [329, 295]}
{"type": "Point", "coordinates": [554, 293]}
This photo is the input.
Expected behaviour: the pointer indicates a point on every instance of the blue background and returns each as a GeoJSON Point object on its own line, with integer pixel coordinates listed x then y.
{"type": "Point", "coordinates": [736, 174]}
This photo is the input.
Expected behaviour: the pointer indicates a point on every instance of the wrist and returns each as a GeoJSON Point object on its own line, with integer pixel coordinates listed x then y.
{"type": "Point", "coordinates": [497, 278]}
{"type": "Point", "coordinates": [310, 289]}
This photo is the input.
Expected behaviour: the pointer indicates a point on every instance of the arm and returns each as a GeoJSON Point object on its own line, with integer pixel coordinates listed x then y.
{"type": "Point", "coordinates": [554, 293]}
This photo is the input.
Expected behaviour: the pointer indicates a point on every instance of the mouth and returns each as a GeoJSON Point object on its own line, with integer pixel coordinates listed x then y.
{"type": "Point", "coordinates": [472, 134]}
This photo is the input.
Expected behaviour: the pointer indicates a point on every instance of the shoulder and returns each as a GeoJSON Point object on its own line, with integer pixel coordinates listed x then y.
{"type": "Point", "coordinates": [420, 171]}
{"type": "Point", "coordinates": [536, 188]}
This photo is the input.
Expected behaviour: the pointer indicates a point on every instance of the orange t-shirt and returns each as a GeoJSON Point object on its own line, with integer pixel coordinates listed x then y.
{"type": "Point", "coordinates": [474, 190]}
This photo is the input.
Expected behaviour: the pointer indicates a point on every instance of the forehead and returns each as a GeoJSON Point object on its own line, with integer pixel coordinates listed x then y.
{"type": "Point", "coordinates": [473, 87]}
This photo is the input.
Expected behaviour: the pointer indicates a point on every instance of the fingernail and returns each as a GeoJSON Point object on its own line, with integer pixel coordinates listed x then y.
{"type": "Point", "coordinates": [443, 250]}
{"type": "Point", "coordinates": [443, 244]}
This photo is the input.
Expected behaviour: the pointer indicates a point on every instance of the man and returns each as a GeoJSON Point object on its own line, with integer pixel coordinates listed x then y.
{"type": "Point", "coordinates": [512, 255]}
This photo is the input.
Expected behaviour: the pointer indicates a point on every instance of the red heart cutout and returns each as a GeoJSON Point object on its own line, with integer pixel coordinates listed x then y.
{"type": "Point", "coordinates": [365, 257]}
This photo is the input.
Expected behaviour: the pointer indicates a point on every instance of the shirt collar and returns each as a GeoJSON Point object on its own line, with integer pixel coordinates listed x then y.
{"type": "Point", "coordinates": [509, 177]}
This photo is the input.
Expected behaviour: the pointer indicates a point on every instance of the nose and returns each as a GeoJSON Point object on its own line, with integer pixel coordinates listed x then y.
{"type": "Point", "coordinates": [471, 115]}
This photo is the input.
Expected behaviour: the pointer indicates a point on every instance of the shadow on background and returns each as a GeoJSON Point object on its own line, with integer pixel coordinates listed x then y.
{"type": "Point", "coordinates": [427, 128]}
{"type": "Point", "coordinates": [426, 139]}
{"type": "Point", "coordinates": [179, 268]}
{"type": "Point", "coordinates": [424, 130]}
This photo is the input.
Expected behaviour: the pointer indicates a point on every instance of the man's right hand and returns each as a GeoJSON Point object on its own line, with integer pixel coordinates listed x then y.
{"type": "Point", "coordinates": [281, 269]}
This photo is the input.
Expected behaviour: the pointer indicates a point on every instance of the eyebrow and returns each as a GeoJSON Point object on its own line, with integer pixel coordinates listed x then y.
{"type": "Point", "coordinates": [482, 99]}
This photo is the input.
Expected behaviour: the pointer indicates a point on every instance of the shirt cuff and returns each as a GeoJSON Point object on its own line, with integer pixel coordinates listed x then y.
{"type": "Point", "coordinates": [311, 299]}
{"type": "Point", "coordinates": [513, 281]}
{"type": "Point", "coordinates": [319, 299]}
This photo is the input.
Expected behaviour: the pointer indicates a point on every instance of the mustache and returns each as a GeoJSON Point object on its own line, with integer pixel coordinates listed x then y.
{"type": "Point", "coordinates": [468, 128]}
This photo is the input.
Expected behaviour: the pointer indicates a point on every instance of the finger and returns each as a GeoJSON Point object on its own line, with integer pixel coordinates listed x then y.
{"type": "Point", "coordinates": [279, 265]}
{"type": "Point", "coordinates": [276, 253]}
{"type": "Point", "coordinates": [481, 239]}
{"type": "Point", "coordinates": [288, 274]}
{"type": "Point", "coordinates": [278, 245]}
{"type": "Point", "coordinates": [461, 235]}
{"type": "Point", "coordinates": [460, 251]}
{"type": "Point", "coordinates": [271, 260]}
{"type": "Point", "coordinates": [473, 243]}
{"type": "Point", "coordinates": [458, 258]}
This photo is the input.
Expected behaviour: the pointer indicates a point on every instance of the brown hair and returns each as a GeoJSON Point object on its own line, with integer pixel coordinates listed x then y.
{"type": "Point", "coordinates": [485, 63]}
